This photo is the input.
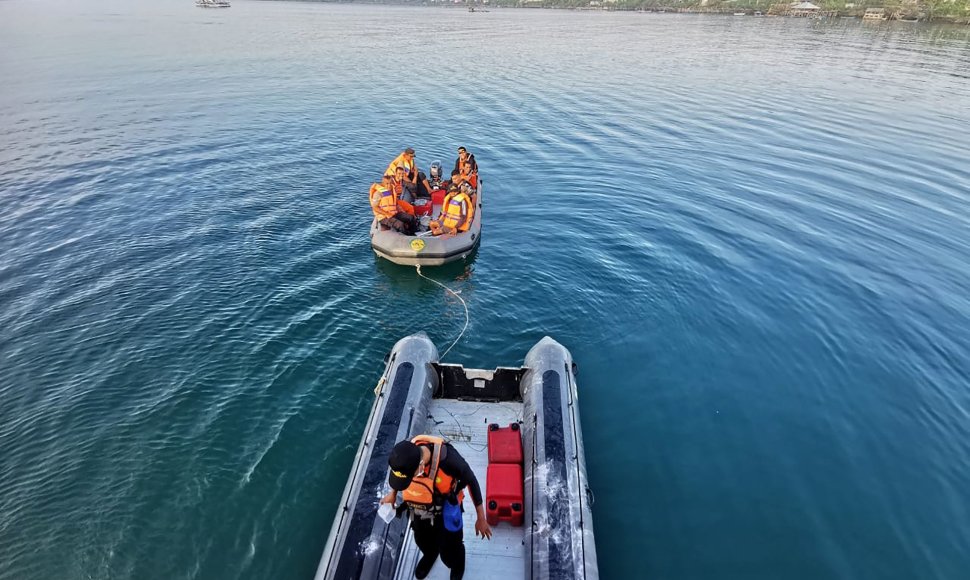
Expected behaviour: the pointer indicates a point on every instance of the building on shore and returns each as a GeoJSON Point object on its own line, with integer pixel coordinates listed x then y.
{"type": "Point", "coordinates": [804, 9]}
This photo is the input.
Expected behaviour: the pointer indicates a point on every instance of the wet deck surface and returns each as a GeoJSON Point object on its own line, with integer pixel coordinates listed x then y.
{"type": "Point", "coordinates": [465, 424]}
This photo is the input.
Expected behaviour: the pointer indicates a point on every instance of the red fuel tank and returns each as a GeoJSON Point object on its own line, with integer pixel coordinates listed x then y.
{"type": "Point", "coordinates": [504, 444]}
{"type": "Point", "coordinates": [503, 494]}
{"type": "Point", "coordinates": [422, 206]}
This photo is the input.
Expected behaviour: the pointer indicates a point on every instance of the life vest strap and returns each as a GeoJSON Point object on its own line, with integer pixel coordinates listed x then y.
{"type": "Point", "coordinates": [435, 459]}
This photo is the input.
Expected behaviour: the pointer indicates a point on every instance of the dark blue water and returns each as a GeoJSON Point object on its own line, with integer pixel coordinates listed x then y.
{"type": "Point", "coordinates": [753, 235]}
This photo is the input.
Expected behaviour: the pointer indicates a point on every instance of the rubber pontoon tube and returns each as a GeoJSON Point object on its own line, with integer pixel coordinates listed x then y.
{"type": "Point", "coordinates": [361, 545]}
{"type": "Point", "coordinates": [559, 542]}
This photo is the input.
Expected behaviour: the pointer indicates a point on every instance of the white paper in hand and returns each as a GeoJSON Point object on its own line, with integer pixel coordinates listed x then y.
{"type": "Point", "coordinates": [386, 512]}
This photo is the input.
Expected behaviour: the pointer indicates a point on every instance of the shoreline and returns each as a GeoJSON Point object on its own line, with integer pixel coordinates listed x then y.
{"type": "Point", "coordinates": [755, 10]}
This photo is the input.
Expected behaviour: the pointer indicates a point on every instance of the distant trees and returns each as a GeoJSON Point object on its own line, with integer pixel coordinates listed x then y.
{"type": "Point", "coordinates": [955, 10]}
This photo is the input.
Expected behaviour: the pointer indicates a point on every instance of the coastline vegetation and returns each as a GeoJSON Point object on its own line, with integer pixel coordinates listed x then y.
{"type": "Point", "coordinates": [945, 10]}
{"type": "Point", "coordinates": [956, 11]}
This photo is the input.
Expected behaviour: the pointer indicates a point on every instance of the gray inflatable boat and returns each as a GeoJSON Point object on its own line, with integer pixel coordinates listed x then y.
{"type": "Point", "coordinates": [418, 395]}
{"type": "Point", "coordinates": [424, 249]}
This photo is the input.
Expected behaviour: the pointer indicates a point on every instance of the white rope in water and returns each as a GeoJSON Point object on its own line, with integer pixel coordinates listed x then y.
{"type": "Point", "coordinates": [460, 334]}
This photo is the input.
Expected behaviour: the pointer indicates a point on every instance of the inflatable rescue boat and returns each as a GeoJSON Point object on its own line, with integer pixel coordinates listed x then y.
{"type": "Point", "coordinates": [423, 249]}
{"type": "Point", "coordinates": [518, 428]}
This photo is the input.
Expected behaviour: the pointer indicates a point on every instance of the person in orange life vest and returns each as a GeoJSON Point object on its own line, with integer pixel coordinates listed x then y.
{"type": "Point", "coordinates": [397, 184]}
{"type": "Point", "coordinates": [468, 175]}
{"type": "Point", "coordinates": [456, 179]}
{"type": "Point", "coordinates": [415, 183]}
{"type": "Point", "coordinates": [389, 211]}
{"type": "Point", "coordinates": [405, 160]}
{"type": "Point", "coordinates": [464, 155]}
{"type": "Point", "coordinates": [431, 476]}
{"type": "Point", "coordinates": [457, 212]}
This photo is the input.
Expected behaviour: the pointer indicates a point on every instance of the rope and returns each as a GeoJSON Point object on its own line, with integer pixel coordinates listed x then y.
{"type": "Point", "coordinates": [460, 334]}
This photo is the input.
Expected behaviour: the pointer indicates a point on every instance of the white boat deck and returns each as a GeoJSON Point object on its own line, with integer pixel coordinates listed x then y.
{"type": "Point", "coordinates": [465, 425]}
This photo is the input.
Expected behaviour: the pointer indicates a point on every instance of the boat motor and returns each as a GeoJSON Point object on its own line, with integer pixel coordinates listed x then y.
{"type": "Point", "coordinates": [436, 175]}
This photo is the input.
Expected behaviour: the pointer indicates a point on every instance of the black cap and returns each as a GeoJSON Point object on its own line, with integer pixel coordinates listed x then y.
{"type": "Point", "coordinates": [409, 151]}
{"type": "Point", "coordinates": [404, 461]}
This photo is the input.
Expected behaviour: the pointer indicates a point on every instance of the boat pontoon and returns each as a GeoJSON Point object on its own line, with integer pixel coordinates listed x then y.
{"type": "Point", "coordinates": [425, 249]}
{"type": "Point", "coordinates": [418, 395]}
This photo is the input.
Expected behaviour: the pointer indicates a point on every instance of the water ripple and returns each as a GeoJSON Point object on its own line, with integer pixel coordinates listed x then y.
{"type": "Point", "coordinates": [752, 232]}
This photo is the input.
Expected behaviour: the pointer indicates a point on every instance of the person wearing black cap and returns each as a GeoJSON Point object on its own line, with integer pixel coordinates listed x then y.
{"type": "Point", "coordinates": [405, 160]}
{"type": "Point", "coordinates": [415, 182]}
{"type": "Point", "coordinates": [431, 477]}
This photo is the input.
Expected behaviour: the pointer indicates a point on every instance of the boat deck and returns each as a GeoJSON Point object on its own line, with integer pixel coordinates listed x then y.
{"type": "Point", "coordinates": [435, 213]}
{"type": "Point", "coordinates": [425, 220]}
{"type": "Point", "coordinates": [465, 425]}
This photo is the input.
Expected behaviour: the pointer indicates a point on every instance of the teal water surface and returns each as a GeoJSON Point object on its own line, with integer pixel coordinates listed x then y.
{"type": "Point", "coordinates": [752, 234]}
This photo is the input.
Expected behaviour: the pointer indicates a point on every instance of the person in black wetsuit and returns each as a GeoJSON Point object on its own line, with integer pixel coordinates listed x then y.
{"type": "Point", "coordinates": [431, 476]}
{"type": "Point", "coordinates": [464, 155]}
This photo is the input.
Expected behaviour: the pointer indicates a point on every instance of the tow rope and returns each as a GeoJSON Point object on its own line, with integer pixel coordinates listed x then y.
{"type": "Point", "coordinates": [460, 334]}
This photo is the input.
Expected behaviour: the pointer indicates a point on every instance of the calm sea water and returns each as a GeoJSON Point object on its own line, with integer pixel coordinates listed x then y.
{"type": "Point", "coordinates": [753, 235]}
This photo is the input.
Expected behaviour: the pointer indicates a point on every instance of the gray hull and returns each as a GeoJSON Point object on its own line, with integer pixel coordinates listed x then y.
{"type": "Point", "coordinates": [427, 250]}
{"type": "Point", "coordinates": [556, 541]}
{"type": "Point", "coordinates": [558, 499]}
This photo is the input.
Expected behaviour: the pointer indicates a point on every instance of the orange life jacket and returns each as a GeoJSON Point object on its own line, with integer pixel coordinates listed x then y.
{"type": "Point", "coordinates": [471, 178]}
{"type": "Point", "coordinates": [382, 201]}
{"type": "Point", "coordinates": [457, 211]}
{"type": "Point", "coordinates": [400, 160]}
{"type": "Point", "coordinates": [429, 488]}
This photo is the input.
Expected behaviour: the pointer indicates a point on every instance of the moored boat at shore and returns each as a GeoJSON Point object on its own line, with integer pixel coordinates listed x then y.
{"type": "Point", "coordinates": [417, 395]}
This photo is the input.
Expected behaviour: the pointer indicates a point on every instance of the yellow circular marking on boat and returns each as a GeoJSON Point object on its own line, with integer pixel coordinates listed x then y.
{"type": "Point", "coordinates": [417, 245]}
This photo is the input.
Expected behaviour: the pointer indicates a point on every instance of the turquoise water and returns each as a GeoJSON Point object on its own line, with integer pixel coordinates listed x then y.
{"type": "Point", "coordinates": [753, 235]}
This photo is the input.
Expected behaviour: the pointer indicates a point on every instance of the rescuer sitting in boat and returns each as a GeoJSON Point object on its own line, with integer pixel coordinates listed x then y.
{"type": "Point", "coordinates": [431, 476]}
{"type": "Point", "coordinates": [468, 175]}
{"type": "Point", "coordinates": [457, 212]}
{"type": "Point", "coordinates": [455, 179]}
{"type": "Point", "coordinates": [397, 185]}
{"type": "Point", "coordinates": [464, 155]}
{"type": "Point", "coordinates": [415, 183]}
{"type": "Point", "coordinates": [389, 210]}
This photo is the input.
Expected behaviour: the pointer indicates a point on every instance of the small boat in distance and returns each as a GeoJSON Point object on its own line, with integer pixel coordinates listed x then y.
{"type": "Point", "coordinates": [740, 14]}
{"type": "Point", "coordinates": [212, 3]}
